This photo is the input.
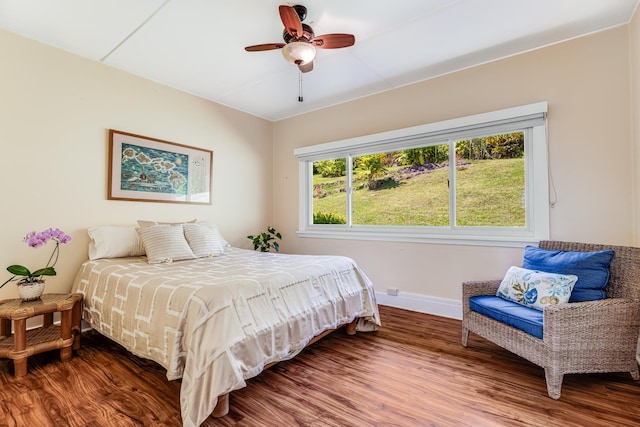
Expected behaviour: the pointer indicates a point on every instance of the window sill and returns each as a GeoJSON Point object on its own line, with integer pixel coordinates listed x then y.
{"type": "Point", "coordinates": [428, 238]}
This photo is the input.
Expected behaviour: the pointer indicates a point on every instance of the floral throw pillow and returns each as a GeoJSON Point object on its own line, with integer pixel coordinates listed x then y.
{"type": "Point", "coordinates": [536, 289]}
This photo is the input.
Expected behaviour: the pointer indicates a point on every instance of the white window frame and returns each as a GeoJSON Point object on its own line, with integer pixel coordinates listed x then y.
{"type": "Point", "coordinates": [531, 118]}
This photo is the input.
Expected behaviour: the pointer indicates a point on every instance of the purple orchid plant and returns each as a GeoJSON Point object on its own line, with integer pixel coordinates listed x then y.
{"type": "Point", "coordinates": [36, 240]}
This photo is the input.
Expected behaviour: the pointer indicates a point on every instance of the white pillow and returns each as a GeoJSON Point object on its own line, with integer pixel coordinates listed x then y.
{"type": "Point", "coordinates": [165, 243]}
{"type": "Point", "coordinates": [114, 242]}
{"type": "Point", "coordinates": [536, 289]}
{"type": "Point", "coordinates": [203, 240]}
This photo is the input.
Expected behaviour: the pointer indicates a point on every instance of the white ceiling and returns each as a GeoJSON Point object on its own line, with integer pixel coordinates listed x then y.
{"type": "Point", "coordinates": [197, 46]}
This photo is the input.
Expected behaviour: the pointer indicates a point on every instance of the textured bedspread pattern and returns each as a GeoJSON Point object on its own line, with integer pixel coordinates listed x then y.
{"type": "Point", "coordinates": [215, 322]}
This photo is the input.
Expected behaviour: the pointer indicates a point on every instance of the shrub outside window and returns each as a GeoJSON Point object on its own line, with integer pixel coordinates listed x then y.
{"type": "Point", "coordinates": [480, 179]}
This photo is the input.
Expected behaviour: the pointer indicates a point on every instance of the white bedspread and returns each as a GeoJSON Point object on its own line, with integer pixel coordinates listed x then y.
{"type": "Point", "coordinates": [215, 322]}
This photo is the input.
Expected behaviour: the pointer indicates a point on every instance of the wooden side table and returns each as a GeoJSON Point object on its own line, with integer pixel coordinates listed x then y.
{"type": "Point", "coordinates": [22, 343]}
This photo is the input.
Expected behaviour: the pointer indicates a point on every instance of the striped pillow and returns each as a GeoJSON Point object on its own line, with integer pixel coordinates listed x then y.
{"type": "Point", "coordinates": [204, 240]}
{"type": "Point", "coordinates": [143, 223]}
{"type": "Point", "coordinates": [219, 236]}
{"type": "Point", "coordinates": [165, 243]}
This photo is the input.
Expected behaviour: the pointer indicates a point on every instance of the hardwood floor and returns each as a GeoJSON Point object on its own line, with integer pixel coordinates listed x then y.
{"type": "Point", "coordinates": [413, 372]}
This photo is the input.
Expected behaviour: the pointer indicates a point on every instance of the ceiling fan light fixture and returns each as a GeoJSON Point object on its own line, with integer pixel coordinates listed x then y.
{"type": "Point", "coordinates": [299, 53]}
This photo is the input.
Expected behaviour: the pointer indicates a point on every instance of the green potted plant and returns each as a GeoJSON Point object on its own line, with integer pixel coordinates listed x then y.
{"type": "Point", "coordinates": [266, 240]}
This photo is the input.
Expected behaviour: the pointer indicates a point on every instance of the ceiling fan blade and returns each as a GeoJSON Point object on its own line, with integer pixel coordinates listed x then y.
{"type": "Point", "coordinates": [305, 68]}
{"type": "Point", "coordinates": [333, 41]}
{"type": "Point", "coordinates": [266, 46]}
{"type": "Point", "coordinates": [291, 21]}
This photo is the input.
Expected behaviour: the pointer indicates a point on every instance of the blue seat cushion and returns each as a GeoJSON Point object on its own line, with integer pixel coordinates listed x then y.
{"type": "Point", "coordinates": [513, 314]}
{"type": "Point", "coordinates": [592, 269]}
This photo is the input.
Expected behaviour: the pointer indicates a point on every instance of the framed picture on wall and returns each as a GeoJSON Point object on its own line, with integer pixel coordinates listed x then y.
{"type": "Point", "coordinates": [152, 170]}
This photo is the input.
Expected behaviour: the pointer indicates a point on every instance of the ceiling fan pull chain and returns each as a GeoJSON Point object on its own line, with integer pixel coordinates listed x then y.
{"type": "Point", "coordinates": [300, 99]}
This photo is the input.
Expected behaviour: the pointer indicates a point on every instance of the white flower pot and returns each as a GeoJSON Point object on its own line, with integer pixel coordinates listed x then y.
{"type": "Point", "coordinates": [30, 291]}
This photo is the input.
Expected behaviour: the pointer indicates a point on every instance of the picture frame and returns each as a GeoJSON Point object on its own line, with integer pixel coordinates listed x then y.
{"type": "Point", "coordinates": [145, 169]}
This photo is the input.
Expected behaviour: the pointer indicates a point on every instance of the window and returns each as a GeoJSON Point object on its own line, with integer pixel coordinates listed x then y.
{"type": "Point", "coordinates": [401, 185]}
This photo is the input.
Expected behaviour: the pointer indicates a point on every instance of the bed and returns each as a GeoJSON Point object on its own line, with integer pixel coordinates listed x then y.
{"type": "Point", "coordinates": [216, 321]}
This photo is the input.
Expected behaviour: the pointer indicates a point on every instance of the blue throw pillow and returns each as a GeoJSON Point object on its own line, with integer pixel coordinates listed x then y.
{"type": "Point", "coordinates": [592, 269]}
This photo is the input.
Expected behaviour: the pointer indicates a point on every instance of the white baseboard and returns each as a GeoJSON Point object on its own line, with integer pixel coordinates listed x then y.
{"type": "Point", "coordinates": [430, 305]}
{"type": "Point", "coordinates": [422, 304]}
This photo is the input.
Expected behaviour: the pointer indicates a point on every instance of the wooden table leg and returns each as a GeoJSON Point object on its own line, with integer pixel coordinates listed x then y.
{"type": "Point", "coordinates": [65, 334]}
{"type": "Point", "coordinates": [76, 320]}
{"type": "Point", "coordinates": [5, 328]}
{"type": "Point", "coordinates": [47, 319]}
{"type": "Point", "coordinates": [20, 345]}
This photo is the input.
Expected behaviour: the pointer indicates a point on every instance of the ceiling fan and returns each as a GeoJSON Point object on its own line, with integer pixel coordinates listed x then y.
{"type": "Point", "coordinates": [300, 42]}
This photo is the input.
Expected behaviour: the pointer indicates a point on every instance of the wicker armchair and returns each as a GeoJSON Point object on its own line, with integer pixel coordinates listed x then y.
{"type": "Point", "coordinates": [582, 337]}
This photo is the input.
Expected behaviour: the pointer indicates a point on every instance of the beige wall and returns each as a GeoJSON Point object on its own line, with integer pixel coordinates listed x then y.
{"type": "Point", "coordinates": [55, 109]}
{"type": "Point", "coordinates": [634, 54]}
{"type": "Point", "coordinates": [586, 83]}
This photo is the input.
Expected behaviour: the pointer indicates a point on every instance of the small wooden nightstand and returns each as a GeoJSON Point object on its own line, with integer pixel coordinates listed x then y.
{"type": "Point", "coordinates": [23, 343]}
